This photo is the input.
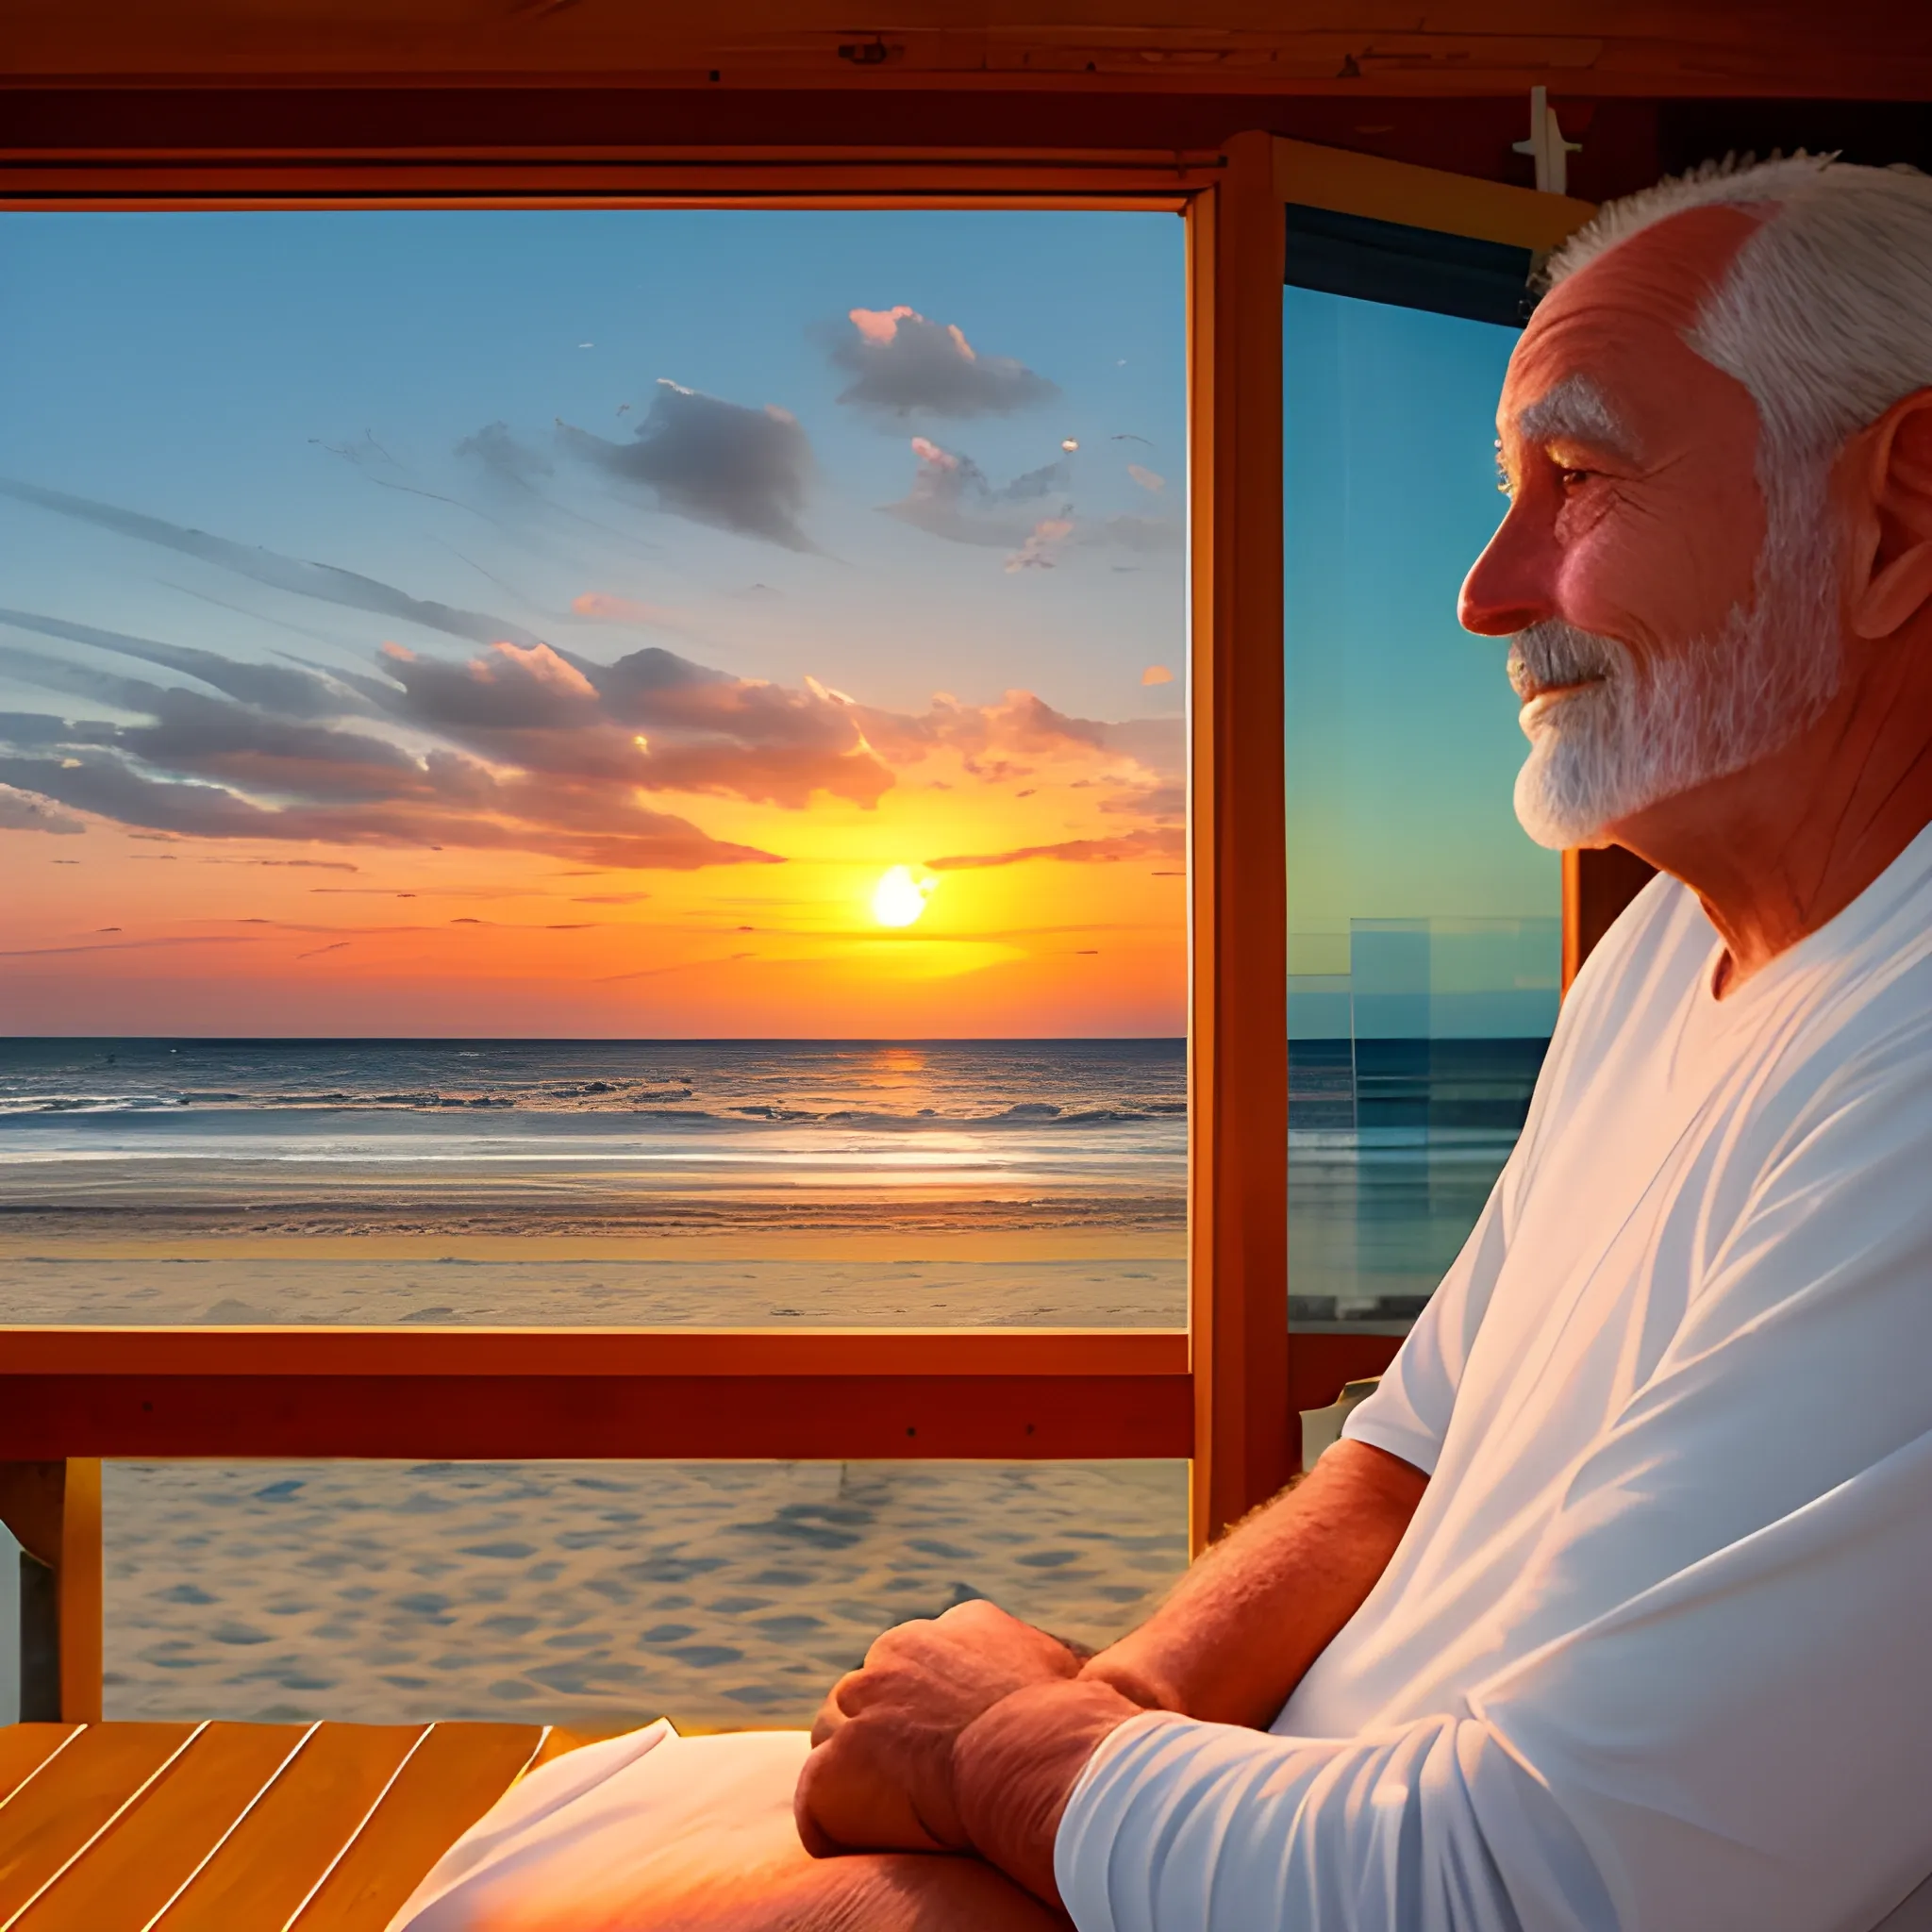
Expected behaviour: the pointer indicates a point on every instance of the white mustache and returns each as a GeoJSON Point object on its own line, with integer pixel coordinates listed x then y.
{"type": "Point", "coordinates": [1555, 652]}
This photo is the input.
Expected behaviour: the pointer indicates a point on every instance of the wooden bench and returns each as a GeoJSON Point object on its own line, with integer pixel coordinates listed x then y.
{"type": "Point", "coordinates": [240, 1828]}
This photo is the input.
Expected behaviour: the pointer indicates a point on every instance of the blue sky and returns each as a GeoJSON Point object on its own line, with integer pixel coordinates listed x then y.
{"type": "Point", "coordinates": [193, 365]}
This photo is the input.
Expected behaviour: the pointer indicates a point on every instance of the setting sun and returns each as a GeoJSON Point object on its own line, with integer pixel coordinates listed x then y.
{"type": "Point", "coordinates": [898, 899]}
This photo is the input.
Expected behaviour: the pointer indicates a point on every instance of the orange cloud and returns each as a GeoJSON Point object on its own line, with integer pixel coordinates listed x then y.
{"type": "Point", "coordinates": [605, 607]}
{"type": "Point", "coordinates": [1157, 842]}
{"type": "Point", "coordinates": [1156, 674]}
{"type": "Point", "coordinates": [879, 324]}
{"type": "Point", "coordinates": [1037, 552]}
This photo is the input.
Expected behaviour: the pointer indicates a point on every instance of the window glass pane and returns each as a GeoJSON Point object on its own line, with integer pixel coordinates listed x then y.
{"type": "Point", "coordinates": [718, 1593]}
{"type": "Point", "coordinates": [1423, 939]}
{"type": "Point", "coordinates": [592, 767]}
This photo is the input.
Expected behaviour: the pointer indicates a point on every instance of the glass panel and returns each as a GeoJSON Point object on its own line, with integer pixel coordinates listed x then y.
{"type": "Point", "coordinates": [720, 1593]}
{"type": "Point", "coordinates": [1424, 936]}
{"type": "Point", "coordinates": [592, 767]}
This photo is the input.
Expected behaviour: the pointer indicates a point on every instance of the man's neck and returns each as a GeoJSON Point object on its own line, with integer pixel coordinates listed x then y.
{"type": "Point", "coordinates": [1780, 848]}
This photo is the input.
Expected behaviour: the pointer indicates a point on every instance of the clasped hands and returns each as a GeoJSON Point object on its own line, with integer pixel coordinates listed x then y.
{"type": "Point", "coordinates": [964, 1733]}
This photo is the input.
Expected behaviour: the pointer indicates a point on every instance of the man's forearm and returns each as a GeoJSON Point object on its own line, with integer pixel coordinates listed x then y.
{"type": "Point", "coordinates": [1246, 1622]}
{"type": "Point", "coordinates": [1015, 1766]}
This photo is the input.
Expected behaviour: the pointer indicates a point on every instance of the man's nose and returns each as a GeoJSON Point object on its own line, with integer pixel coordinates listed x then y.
{"type": "Point", "coordinates": [1512, 584]}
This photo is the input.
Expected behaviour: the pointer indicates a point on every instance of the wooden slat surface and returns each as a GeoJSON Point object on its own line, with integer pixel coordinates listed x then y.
{"type": "Point", "coordinates": [231, 1827]}
{"type": "Point", "coordinates": [52, 1817]}
{"type": "Point", "coordinates": [450, 1780]}
{"type": "Point", "coordinates": [277, 1854]}
{"type": "Point", "coordinates": [24, 1749]}
{"type": "Point", "coordinates": [140, 1860]}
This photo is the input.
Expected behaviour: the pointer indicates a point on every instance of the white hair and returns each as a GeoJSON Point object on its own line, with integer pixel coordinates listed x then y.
{"type": "Point", "coordinates": [1825, 317]}
{"type": "Point", "coordinates": [1825, 314]}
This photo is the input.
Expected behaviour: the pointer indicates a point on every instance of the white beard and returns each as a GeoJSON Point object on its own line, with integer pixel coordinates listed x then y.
{"type": "Point", "coordinates": [1644, 733]}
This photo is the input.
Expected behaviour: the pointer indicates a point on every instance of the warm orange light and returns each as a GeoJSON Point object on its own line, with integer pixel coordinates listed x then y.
{"type": "Point", "coordinates": [898, 899]}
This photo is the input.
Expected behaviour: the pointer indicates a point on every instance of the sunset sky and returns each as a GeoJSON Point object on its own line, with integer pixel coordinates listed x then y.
{"type": "Point", "coordinates": [565, 623]}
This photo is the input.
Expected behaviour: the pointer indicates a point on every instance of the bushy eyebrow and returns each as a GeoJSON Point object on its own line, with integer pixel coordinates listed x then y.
{"type": "Point", "coordinates": [1574, 410]}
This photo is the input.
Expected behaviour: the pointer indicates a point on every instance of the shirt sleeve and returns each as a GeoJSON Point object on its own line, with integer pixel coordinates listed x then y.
{"type": "Point", "coordinates": [1716, 1707]}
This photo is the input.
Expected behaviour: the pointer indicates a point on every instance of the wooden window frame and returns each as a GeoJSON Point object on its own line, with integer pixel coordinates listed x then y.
{"type": "Point", "coordinates": [1223, 1393]}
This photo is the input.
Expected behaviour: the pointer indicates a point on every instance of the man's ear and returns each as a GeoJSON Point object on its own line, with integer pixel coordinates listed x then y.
{"type": "Point", "coordinates": [1892, 546]}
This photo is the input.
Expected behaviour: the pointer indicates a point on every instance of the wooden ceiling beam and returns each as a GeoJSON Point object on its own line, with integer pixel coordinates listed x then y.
{"type": "Point", "coordinates": [1868, 49]}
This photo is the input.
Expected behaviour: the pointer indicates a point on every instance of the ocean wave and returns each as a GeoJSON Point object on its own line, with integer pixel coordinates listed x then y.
{"type": "Point", "coordinates": [306, 1116]}
{"type": "Point", "coordinates": [763, 1089]}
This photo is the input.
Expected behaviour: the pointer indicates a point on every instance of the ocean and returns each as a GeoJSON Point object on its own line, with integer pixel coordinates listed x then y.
{"type": "Point", "coordinates": [644, 1183]}
{"type": "Point", "coordinates": [551, 1182]}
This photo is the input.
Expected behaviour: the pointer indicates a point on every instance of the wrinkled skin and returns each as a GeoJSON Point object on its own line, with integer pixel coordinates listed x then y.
{"type": "Point", "coordinates": [1653, 543]}
{"type": "Point", "coordinates": [880, 1772]}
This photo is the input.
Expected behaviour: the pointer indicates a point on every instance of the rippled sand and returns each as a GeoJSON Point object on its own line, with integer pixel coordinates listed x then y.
{"type": "Point", "coordinates": [720, 1593]}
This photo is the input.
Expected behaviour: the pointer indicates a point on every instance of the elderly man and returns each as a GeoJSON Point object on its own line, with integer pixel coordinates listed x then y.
{"type": "Point", "coordinates": [1610, 1610]}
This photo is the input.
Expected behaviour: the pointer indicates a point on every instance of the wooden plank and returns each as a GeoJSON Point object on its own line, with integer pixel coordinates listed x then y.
{"type": "Point", "coordinates": [1226, 46]}
{"type": "Point", "coordinates": [1388, 190]}
{"type": "Point", "coordinates": [1238, 1068]}
{"type": "Point", "coordinates": [279, 1852]}
{"type": "Point", "coordinates": [1323, 1361]}
{"type": "Point", "coordinates": [492, 1418]}
{"type": "Point", "coordinates": [274, 183]}
{"type": "Point", "coordinates": [298, 1350]}
{"type": "Point", "coordinates": [25, 1749]}
{"type": "Point", "coordinates": [142, 1859]}
{"type": "Point", "coordinates": [79, 1587]}
{"type": "Point", "coordinates": [1597, 885]}
{"type": "Point", "coordinates": [52, 1817]}
{"type": "Point", "coordinates": [448, 1782]}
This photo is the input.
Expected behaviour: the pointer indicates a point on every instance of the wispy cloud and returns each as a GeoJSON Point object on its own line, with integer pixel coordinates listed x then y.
{"type": "Point", "coordinates": [1033, 517]}
{"type": "Point", "coordinates": [1155, 842]}
{"type": "Point", "coordinates": [22, 812]}
{"type": "Point", "coordinates": [322, 581]}
{"type": "Point", "coordinates": [294, 692]}
{"type": "Point", "coordinates": [605, 607]}
{"type": "Point", "coordinates": [498, 454]}
{"type": "Point", "coordinates": [951, 496]}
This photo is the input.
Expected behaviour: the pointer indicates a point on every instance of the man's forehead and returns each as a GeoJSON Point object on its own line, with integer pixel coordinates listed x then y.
{"type": "Point", "coordinates": [1665, 271]}
{"type": "Point", "coordinates": [1595, 334]}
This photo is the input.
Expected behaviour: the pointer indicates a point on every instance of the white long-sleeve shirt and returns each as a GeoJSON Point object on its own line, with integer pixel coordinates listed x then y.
{"type": "Point", "coordinates": [1656, 1651]}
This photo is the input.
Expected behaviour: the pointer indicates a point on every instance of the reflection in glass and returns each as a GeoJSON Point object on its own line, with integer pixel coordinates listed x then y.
{"type": "Point", "coordinates": [1423, 939]}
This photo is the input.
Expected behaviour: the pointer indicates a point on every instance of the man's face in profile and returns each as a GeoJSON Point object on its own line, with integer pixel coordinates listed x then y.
{"type": "Point", "coordinates": [1665, 612]}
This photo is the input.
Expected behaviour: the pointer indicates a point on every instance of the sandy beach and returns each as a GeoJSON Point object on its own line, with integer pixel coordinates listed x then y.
{"type": "Point", "coordinates": [720, 1593]}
